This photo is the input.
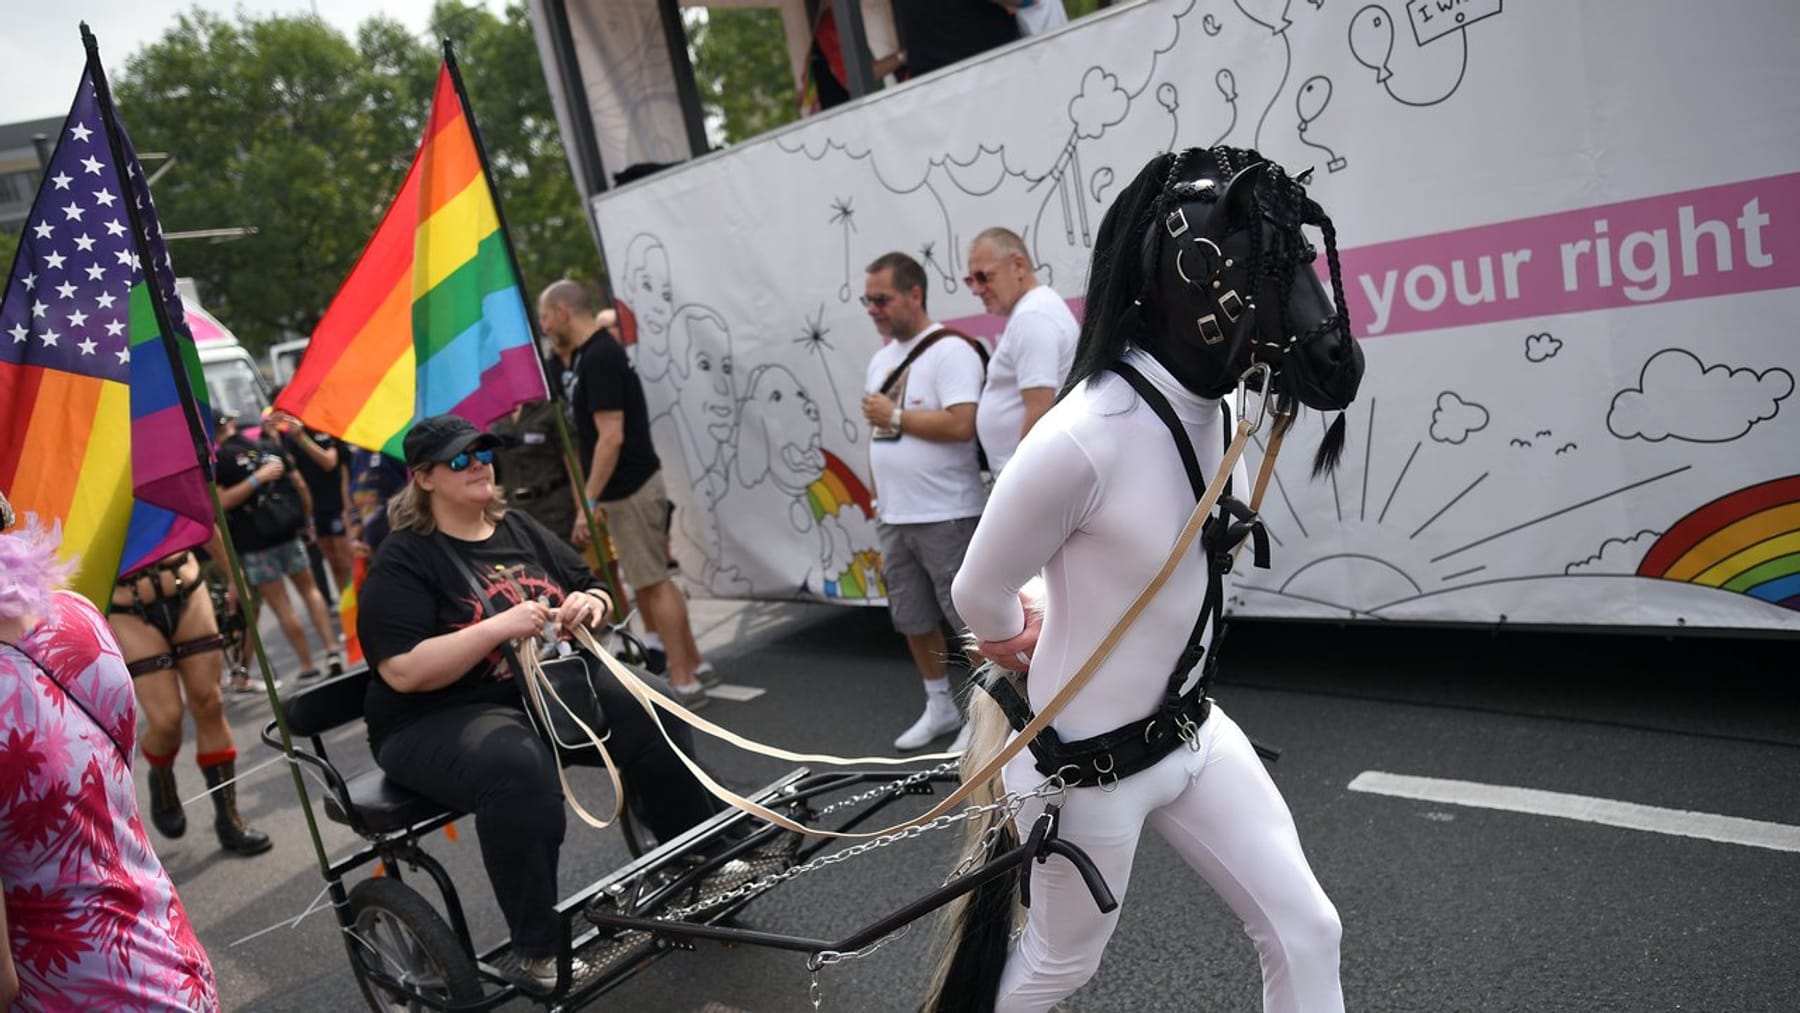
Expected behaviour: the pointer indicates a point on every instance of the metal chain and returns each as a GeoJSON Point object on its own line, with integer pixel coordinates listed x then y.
{"type": "Point", "coordinates": [893, 787]}
{"type": "Point", "coordinates": [1009, 804]}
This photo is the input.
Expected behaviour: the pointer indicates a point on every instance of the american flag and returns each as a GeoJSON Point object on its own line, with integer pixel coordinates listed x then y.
{"type": "Point", "coordinates": [67, 305]}
{"type": "Point", "coordinates": [78, 319]}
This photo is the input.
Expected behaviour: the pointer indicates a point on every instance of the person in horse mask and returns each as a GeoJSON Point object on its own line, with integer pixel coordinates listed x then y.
{"type": "Point", "coordinates": [1200, 270]}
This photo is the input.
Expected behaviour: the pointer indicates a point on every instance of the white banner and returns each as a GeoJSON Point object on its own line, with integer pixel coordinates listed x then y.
{"type": "Point", "coordinates": [1571, 239]}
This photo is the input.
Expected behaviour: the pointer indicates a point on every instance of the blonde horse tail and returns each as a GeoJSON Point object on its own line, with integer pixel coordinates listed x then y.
{"type": "Point", "coordinates": [975, 929]}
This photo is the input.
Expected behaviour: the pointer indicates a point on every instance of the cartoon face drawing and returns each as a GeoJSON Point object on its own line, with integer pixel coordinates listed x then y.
{"type": "Point", "coordinates": [705, 394]}
{"type": "Point", "coordinates": [647, 292]}
{"type": "Point", "coordinates": [779, 436]}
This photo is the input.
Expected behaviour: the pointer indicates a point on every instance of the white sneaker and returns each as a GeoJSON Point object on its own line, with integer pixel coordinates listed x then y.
{"type": "Point", "coordinates": [961, 744]}
{"type": "Point", "coordinates": [938, 719]}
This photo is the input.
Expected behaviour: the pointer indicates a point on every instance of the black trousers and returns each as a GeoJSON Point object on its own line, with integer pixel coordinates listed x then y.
{"type": "Point", "coordinates": [486, 759]}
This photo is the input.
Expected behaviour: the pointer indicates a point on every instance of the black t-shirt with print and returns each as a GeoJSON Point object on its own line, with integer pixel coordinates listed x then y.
{"type": "Point", "coordinates": [601, 379]}
{"type": "Point", "coordinates": [413, 593]}
{"type": "Point", "coordinates": [237, 459]}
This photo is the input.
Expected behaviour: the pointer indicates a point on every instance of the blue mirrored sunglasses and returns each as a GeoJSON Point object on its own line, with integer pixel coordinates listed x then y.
{"type": "Point", "coordinates": [462, 461]}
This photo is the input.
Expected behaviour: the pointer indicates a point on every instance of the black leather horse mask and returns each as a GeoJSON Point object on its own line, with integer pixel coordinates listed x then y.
{"type": "Point", "coordinates": [1230, 284]}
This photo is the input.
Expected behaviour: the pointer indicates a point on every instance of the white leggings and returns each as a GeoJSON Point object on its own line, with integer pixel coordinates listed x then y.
{"type": "Point", "coordinates": [1218, 808]}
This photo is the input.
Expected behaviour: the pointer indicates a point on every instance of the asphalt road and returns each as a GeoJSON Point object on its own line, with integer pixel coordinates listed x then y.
{"type": "Point", "coordinates": [1445, 906]}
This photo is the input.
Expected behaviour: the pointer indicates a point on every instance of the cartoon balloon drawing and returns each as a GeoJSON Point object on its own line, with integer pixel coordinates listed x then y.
{"type": "Point", "coordinates": [1226, 84]}
{"type": "Point", "coordinates": [1271, 14]}
{"type": "Point", "coordinates": [1372, 33]}
{"type": "Point", "coordinates": [1166, 96]}
{"type": "Point", "coordinates": [1312, 99]}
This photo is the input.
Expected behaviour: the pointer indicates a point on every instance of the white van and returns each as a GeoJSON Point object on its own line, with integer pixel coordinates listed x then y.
{"type": "Point", "coordinates": [284, 360]}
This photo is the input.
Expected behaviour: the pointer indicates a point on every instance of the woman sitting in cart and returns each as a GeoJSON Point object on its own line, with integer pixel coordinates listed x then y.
{"type": "Point", "coordinates": [445, 716]}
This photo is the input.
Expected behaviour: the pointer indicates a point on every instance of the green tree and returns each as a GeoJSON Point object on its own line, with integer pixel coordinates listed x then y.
{"type": "Point", "coordinates": [273, 125]}
{"type": "Point", "coordinates": [9, 245]}
{"type": "Point", "coordinates": [741, 69]}
{"type": "Point", "coordinates": [283, 124]}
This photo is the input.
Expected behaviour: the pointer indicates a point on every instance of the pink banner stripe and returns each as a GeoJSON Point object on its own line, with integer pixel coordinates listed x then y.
{"type": "Point", "coordinates": [1720, 240]}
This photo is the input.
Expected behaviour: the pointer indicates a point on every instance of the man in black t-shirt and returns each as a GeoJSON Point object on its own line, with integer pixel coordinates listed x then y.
{"type": "Point", "coordinates": [624, 475]}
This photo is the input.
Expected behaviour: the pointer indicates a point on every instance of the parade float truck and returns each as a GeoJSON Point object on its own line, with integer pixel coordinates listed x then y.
{"type": "Point", "coordinates": [1571, 249]}
{"type": "Point", "coordinates": [234, 386]}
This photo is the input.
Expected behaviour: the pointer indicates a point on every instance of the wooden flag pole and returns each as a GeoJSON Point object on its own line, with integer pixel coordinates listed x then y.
{"type": "Point", "coordinates": [598, 535]}
{"type": "Point", "coordinates": [202, 453]}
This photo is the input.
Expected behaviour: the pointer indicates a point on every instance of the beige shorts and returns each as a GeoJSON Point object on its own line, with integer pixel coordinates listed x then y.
{"type": "Point", "coordinates": [639, 525]}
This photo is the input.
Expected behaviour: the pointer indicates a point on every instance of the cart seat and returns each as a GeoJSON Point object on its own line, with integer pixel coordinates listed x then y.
{"type": "Point", "coordinates": [380, 805]}
{"type": "Point", "coordinates": [369, 802]}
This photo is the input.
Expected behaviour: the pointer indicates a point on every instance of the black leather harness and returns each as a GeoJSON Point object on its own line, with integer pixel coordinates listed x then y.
{"type": "Point", "coordinates": [1101, 760]}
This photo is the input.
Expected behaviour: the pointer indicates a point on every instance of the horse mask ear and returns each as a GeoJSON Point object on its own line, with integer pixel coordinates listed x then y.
{"type": "Point", "coordinates": [1239, 201]}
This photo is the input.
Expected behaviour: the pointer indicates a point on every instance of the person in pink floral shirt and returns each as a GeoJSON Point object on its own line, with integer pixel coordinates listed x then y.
{"type": "Point", "coordinates": [91, 920]}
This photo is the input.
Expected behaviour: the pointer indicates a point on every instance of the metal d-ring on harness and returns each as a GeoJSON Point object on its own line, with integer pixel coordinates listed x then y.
{"type": "Point", "coordinates": [1101, 760]}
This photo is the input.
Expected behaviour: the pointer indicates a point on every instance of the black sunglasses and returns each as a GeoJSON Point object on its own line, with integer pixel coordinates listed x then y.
{"type": "Point", "coordinates": [462, 461]}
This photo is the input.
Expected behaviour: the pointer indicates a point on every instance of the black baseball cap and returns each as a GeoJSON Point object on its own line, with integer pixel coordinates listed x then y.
{"type": "Point", "coordinates": [246, 420]}
{"type": "Point", "coordinates": [441, 438]}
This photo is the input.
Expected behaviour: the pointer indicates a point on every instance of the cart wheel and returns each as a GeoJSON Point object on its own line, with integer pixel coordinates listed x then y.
{"type": "Point", "coordinates": [399, 933]}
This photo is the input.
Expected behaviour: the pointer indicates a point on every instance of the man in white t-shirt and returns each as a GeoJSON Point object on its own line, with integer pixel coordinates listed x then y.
{"type": "Point", "coordinates": [1036, 16]}
{"type": "Point", "coordinates": [920, 396]}
{"type": "Point", "coordinates": [1035, 351]}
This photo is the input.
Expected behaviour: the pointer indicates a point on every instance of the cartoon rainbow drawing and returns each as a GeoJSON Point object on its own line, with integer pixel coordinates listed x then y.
{"type": "Point", "coordinates": [835, 488]}
{"type": "Point", "coordinates": [1747, 542]}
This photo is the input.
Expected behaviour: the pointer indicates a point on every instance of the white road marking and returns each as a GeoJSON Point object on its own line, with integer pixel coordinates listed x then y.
{"type": "Point", "coordinates": [1631, 815]}
{"type": "Point", "coordinates": [737, 694]}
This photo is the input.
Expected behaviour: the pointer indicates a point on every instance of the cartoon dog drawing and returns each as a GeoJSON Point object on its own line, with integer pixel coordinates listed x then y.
{"type": "Point", "coordinates": [778, 531]}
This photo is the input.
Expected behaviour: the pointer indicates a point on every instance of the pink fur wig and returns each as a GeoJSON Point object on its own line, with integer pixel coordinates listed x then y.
{"type": "Point", "coordinates": [29, 569]}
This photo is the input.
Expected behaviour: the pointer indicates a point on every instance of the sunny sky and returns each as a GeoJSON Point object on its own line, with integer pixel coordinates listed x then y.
{"type": "Point", "coordinates": [40, 42]}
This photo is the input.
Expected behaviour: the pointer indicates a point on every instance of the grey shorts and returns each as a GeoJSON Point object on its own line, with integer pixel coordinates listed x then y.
{"type": "Point", "coordinates": [266, 566]}
{"type": "Point", "coordinates": [639, 525]}
{"type": "Point", "coordinates": [918, 562]}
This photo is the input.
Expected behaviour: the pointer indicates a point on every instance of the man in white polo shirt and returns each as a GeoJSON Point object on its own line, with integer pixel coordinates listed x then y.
{"type": "Point", "coordinates": [1035, 351]}
{"type": "Point", "coordinates": [921, 392]}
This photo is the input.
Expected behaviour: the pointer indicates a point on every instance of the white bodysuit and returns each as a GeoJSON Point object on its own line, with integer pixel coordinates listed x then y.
{"type": "Point", "coordinates": [1094, 500]}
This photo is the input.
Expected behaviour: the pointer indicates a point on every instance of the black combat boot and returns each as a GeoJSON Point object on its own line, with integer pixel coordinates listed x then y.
{"type": "Point", "coordinates": [234, 835]}
{"type": "Point", "coordinates": [165, 802]}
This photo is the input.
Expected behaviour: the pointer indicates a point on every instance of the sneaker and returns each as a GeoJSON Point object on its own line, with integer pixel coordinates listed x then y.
{"type": "Point", "coordinates": [938, 719]}
{"type": "Point", "coordinates": [961, 745]}
{"type": "Point", "coordinates": [655, 661]}
{"type": "Point", "coordinates": [244, 685]}
{"type": "Point", "coordinates": [708, 675]}
{"type": "Point", "coordinates": [309, 674]}
{"type": "Point", "coordinates": [532, 975]}
{"type": "Point", "coordinates": [334, 663]}
{"type": "Point", "coordinates": [693, 697]}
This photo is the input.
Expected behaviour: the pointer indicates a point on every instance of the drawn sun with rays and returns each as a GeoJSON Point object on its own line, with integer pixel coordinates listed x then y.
{"type": "Point", "coordinates": [1390, 563]}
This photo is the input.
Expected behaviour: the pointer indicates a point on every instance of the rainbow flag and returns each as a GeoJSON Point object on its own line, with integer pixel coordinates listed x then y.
{"type": "Point", "coordinates": [431, 320]}
{"type": "Point", "coordinates": [97, 434]}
